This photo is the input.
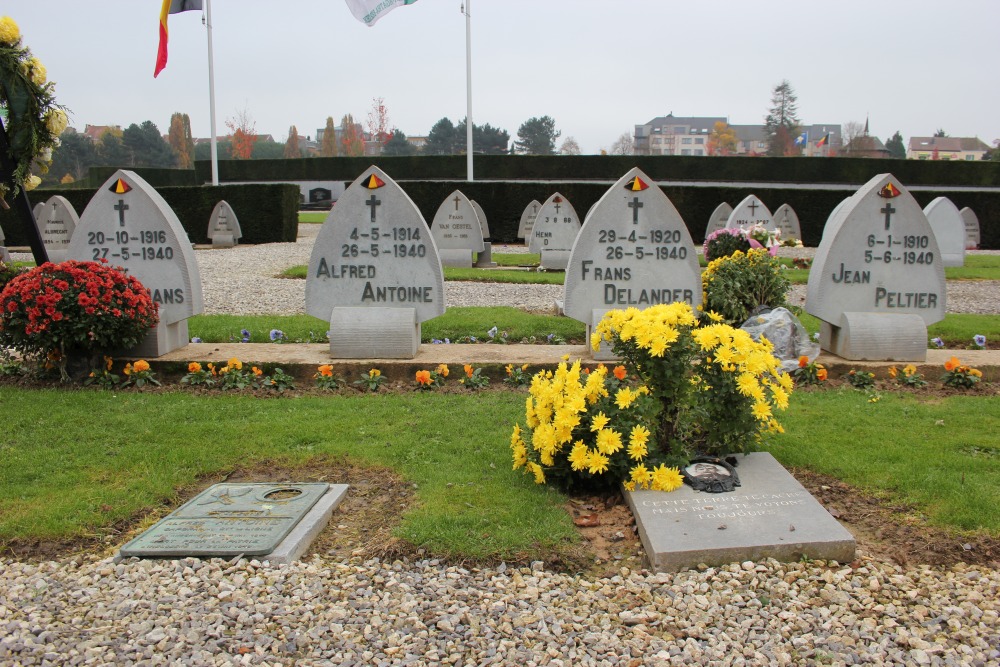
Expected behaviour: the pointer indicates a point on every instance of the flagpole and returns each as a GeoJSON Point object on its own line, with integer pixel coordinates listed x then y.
{"type": "Point", "coordinates": [211, 93]}
{"type": "Point", "coordinates": [468, 89]}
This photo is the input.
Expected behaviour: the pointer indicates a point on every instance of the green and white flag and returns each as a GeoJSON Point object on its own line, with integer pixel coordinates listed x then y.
{"type": "Point", "coordinates": [370, 11]}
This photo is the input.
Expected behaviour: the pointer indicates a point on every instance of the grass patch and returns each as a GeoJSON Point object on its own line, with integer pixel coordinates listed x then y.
{"type": "Point", "coordinates": [977, 267]}
{"type": "Point", "coordinates": [312, 217]}
{"type": "Point", "coordinates": [525, 259]}
{"type": "Point", "coordinates": [227, 328]}
{"type": "Point", "coordinates": [513, 276]}
{"type": "Point", "coordinates": [462, 322]}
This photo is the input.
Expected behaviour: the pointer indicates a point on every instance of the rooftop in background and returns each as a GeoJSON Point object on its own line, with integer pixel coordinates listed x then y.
{"type": "Point", "coordinates": [946, 148]}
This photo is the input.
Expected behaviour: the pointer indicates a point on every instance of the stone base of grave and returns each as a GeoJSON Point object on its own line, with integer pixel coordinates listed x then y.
{"type": "Point", "coordinates": [459, 258]}
{"type": "Point", "coordinates": [770, 516]}
{"type": "Point", "coordinates": [484, 259]}
{"type": "Point", "coordinates": [374, 333]}
{"type": "Point", "coordinates": [876, 337]}
{"type": "Point", "coordinates": [161, 339]}
{"type": "Point", "coordinates": [4, 254]}
{"type": "Point", "coordinates": [604, 352]}
{"type": "Point", "coordinates": [223, 241]}
{"type": "Point", "coordinates": [554, 260]}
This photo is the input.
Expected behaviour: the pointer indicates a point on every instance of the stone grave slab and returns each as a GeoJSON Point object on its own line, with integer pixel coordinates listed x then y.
{"type": "Point", "coordinates": [268, 521]}
{"type": "Point", "coordinates": [770, 515]}
{"type": "Point", "coordinates": [223, 226]}
{"type": "Point", "coordinates": [786, 221]}
{"type": "Point", "coordinates": [633, 251]}
{"type": "Point", "coordinates": [527, 220]}
{"type": "Point", "coordinates": [949, 229]}
{"type": "Point", "coordinates": [554, 232]}
{"type": "Point", "coordinates": [58, 222]}
{"type": "Point", "coordinates": [971, 221]}
{"type": "Point", "coordinates": [456, 230]}
{"type": "Point", "coordinates": [877, 279]}
{"type": "Point", "coordinates": [375, 252]}
{"type": "Point", "coordinates": [719, 218]}
{"type": "Point", "coordinates": [750, 212]}
{"type": "Point", "coordinates": [130, 225]}
{"type": "Point", "coordinates": [484, 259]}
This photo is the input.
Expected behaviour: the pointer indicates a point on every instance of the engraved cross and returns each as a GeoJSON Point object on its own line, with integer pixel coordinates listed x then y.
{"type": "Point", "coordinates": [888, 210]}
{"type": "Point", "coordinates": [121, 207]}
{"type": "Point", "coordinates": [635, 205]}
{"type": "Point", "coordinates": [373, 202]}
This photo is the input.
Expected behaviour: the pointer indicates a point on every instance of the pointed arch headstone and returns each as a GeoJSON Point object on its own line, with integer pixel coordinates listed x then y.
{"type": "Point", "coordinates": [749, 212]}
{"type": "Point", "coordinates": [718, 219]}
{"type": "Point", "coordinates": [554, 232]}
{"type": "Point", "coordinates": [971, 221]}
{"type": "Point", "coordinates": [786, 221]}
{"type": "Point", "coordinates": [949, 229]}
{"type": "Point", "coordinates": [527, 220]}
{"type": "Point", "coordinates": [223, 226]}
{"type": "Point", "coordinates": [484, 258]}
{"type": "Point", "coordinates": [456, 230]}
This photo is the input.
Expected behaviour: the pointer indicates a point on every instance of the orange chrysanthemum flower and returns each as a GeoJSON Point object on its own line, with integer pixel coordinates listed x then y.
{"type": "Point", "coordinates": [194, 367]}
{"type": "Point", "coordinates": [140, 366]}
{"type": "Point", "coordinates": [620, 372]}
{"type": "Point", "coordinates": [424, 378]}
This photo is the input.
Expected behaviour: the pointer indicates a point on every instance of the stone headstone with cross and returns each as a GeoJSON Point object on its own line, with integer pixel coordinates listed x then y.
{"type": "Point", "coordinates": [949, 229]}
{"type": "Point", "coordinates": [57, 221]}
{"type": "Point", "coordinates": [554, 232]}
{"type": "Point", "coordinates": [877, 280]}
{"type": "Point", "coordinates": [749, 213]}
{"type": "Point", "coordinates": [971, 221]}
{"type": "Point", "coordinates": [634, 251]}
{"type": "Point", "coordinates": [718, 219]}
{"type": "Point", "coordinates": [129, 224]}
{"type": "Point", "coordinates": [527, 220]}
{"type": "Point", "coordinates": [223, 226]}
{"type": "Point", "coordinates": [484, 259]}
{"type": "Point", "coordinates": [456, 231]}
{"type": "Point", "coordinates": [786, 221]}
{"type": "Point", "coordinates": [374, 272]}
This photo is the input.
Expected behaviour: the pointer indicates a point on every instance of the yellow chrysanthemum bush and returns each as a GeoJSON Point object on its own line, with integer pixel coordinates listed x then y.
{"type": "Point", "coordinates": [735, 285]}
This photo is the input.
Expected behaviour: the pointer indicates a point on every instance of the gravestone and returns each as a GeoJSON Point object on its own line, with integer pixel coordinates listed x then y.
{"type": "Point", "coordinates": [949, 229]}
{"type": "Point", "coordinates": [268, 522]}
{"type": "Point", "coordinates": [484, 260]}
{"type": "Point", "coordinates": [223, 226]}
{"type": "Point", "coordinates": [374, 272]}
{"type": "Point", "coordinates": [634, 251]}
{"type": "Point", "coordinates": [831, 219]}
{"type": "Point", "coordinates": [4, 253]}
{"type": "Point", "coordinates": [971, 221]}
{"type": "Point", "coordinates": [786, 221]}
{"type": "Point", "coordinates": [554, 232]}
{"type": "Point", "coordinates": [456, 231]}
{"type": "Point", "coordinates": [770, 515]}
{"type": "Point", "coordinates": [719, 218]}
{"type": "Point", "coordinates": [528, 219]}
{"type": "Point", "coordinates": [749, 212]}
{"type": "Point", "coordinates": [877, 279]}
{"type": "Point", "coordinates": [130, 225]}
{"type": "Point", "coordinates": [58, 221]}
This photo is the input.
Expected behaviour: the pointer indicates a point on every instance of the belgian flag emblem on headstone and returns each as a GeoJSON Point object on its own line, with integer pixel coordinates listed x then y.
{"type": "Point", "coordinates": [120, 187]}
{"type": "Point", "coordinates": [889, 191]}
{"type": "Point", "coordinates": [636, 185]}
{"type": "Point", "coordinates": [374, 182]}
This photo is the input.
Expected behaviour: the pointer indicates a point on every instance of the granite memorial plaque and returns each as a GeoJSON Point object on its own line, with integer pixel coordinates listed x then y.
{"type": "Point", "coordinates": [949, 230]}
{"type": "Point", "coordinates": [719, 218]}
{"type": "Point", "coordinates": [58, 222]}
{"type": "Point", "coordinates": [223, 226]}
{"type": "Point", "coordinates": [786, 221]}
{"type": "Point", "coordinates": [770, 515]}
{"type": "Point", "coordinates": [130, 225]}
{"type": "Point", "coordinates": [456, 230]}
{"type": "Point", "coordinates": [971, 221]}
{"type": "Point", "coordinates": [527, 220]}
{"type": "Point", "coordinates": [374, 272]}
{"type": "Point", "coordinates": [877, 279]}
{"type": "Point", "coordinates": [554, 232]}
{"type": "Point", "coordinates": [484, 259]}
{"type": "Point", "coordinates": [633, 251]}
{"type": "Point", "coordinates": [241, 519]}
{"type": "Point", "coordinates": [749, 212]}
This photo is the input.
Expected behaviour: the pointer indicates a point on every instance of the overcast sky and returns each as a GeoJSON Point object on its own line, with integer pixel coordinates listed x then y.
{"type": "Point", "coordinates": [598, 67]}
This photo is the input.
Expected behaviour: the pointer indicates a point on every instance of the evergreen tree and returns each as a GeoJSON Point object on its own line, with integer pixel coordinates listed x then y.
{"type": "Point", "coordinates": [443, 139]}
{"type": "Point", "coordinates": [329, 146]}
{"type": "Point", "coordinates": [895, 146]}
{"type": "Point", "coordinates": [397, 144]}
{"type": "Point", "coordinates": [486, 139]}
{"type": "Point", "coordinates": [781, 125]}
{"type": "Point", "coordinates": [146, 146]}
{"type": "Point", "coordinates": [74, 155]}
{"type": "Point", "coordinates": [292, 148]}
{"type": "Point", "coordinates": [537, 136]}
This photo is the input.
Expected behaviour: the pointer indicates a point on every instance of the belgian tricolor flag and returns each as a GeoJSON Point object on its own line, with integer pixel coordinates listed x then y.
{"type": "Point", "coordinates": [170, 7]}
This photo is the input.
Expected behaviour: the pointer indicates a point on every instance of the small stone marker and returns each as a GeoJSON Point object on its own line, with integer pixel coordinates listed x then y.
{"type": "Point", "coordinates": [877, 279]}
{"type": "Point", "coordinates": [4, 253]}
{"type": "Point", "coordinates": [749, 212]}
{"type": "Point", "coordinates": [554, 232]}
{"type": "Point", "coordinates": [949, 229]}
{"type": "Point", "coordinates": [273, 522]}
{"type": "Point", "coordinates": [374, 272]}
{"type": "Point", "coordinates": [223, 226]}
{"type": "Point", "coordinates": [129, 224]}
{"type": "Point", "coordinates": [484, 260]}
{"type": "Point", "coordinates": [456, 231]}
{"type": "Point", "coordinates": [971, 221]}
{"type": "Point", "coordinates": [633, 251]}
{"type": "Point", "coordinates": [528, 219]}
{"type": "Point", "coordinates": [58, 221]}
{"type": "Point", "coordinates": [770, 515]}
{"type": "Point", "coordinates": [719, 218]}
{"type": "Point", "coordinates": [786, 221]}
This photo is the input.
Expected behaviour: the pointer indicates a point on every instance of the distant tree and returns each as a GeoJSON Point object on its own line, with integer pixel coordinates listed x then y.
{"type": "Point", "coordinates": [268, 150]}
{"type": "Point", "coordinates": [722, 140]}
{"type": "Point", "coordinates": [378, 121]}
{"type": "Point", "coordinates": [397, 144]}
{"type": "Point", "coordinates": [856, 142]}
{"type": "Point", "coordinates": [940, 133]}
{"type": "Point", "coordinates": [895, 146]}
{"type": "Point", "coordinates": [111, 151]}
{"type": "Point", "coordinates": [223, 147]}
{"type": "Point", "coordinates": [443, 139]}
{"type": "Point", "coordinates": [569, 146]}
{"type": "Point", "coordinates": [243, 134]}
{"type": "Point", "coordinates": [486, 139]}
{"type": "Point", "coordinates": [781, 125]}
{"type": "Point", "coordinates": [623, 145]}
{"type": "Point", "coordinates": [352, 141]}
{"type": "Point", "coordinates": [537, 136]}
{"type": "Point", "coordinates": [146, 147]}
{"type": "Point", "coordinates": [180, 141]}
{"type": "Point", "coordinates": [74, 155]}
{"type": "Point", "coordinates": [189, 136]}
{"type": "Point", "coordinates": [994, 153]}
{"type": "Point", "coordinates": [329, 146]}
{"type": "Point", "coordinates": [292, 148]}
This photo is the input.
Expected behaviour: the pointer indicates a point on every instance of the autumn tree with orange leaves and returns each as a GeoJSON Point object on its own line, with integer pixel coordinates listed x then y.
{"type": "Point", "coordinates": [243, 134]}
